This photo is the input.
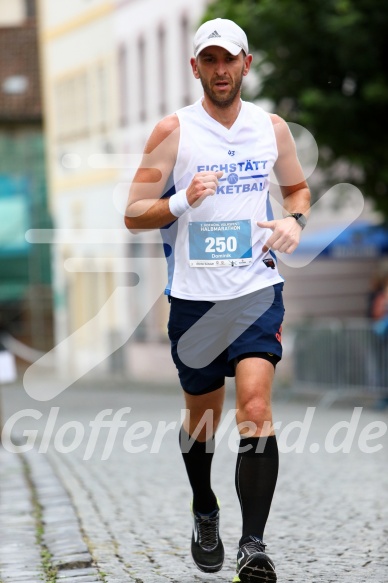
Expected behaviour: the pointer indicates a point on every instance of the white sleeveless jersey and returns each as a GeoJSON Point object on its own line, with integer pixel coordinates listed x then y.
{"type": "Point", "coordinates": [214, 251]}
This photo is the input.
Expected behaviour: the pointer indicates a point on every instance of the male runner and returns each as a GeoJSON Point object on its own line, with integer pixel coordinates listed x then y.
{"type": "Point", "coordinates": [204, 182]}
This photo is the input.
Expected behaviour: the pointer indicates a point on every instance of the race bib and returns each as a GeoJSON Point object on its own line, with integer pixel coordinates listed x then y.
{"type": "Point", "coordinates": [220, 244]}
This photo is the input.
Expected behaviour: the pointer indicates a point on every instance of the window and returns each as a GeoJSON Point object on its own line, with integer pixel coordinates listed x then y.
{"type": "Point", "coordinates": [72, 106]}
{"type": "Point", "coordinates": [30, 8]}
{"type": "Point", "coordinates": [186, 78]}
{"type": "Point", "coordinates": [162, 70]}
{"type": "Point", "coordinates": [142, 80]}
{"type": "Point", "coordinates": [82, 103]}
{"type": "Point", "coordinates": [123, 83]}
{"type": "Point", "coordinates": [65, 104]}
{"type": "Point", "coordinates": [102, 96]}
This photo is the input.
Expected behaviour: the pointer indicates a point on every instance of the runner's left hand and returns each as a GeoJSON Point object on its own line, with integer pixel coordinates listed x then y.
{"type": "Point", "coordinates": [285, 237]}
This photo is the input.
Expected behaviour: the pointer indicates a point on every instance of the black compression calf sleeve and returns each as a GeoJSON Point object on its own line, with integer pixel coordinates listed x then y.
{"type": "Point", "coordinates": [198, 457]}
{"type": "Point", "coordinates": [256, 475]}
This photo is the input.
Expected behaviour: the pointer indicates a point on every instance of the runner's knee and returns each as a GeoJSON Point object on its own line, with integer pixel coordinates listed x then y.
{"type": "Point", "coordinates": [256, 410]}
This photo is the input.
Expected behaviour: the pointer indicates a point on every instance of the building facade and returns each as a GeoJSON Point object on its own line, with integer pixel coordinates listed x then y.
{"type": "Point", "coordinates": [111, 70]}
{"type": "Point", "coordinates": [25, 271]}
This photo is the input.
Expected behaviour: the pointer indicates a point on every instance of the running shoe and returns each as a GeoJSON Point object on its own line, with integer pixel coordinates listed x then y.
{"type": "Point", "coordinates": [253, 564]}
{"type": "Point", "coordinates": [206, 546]}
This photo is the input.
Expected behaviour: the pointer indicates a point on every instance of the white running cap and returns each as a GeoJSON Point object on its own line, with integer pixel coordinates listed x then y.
{"type": "Point", "coordinates": [221, 32]}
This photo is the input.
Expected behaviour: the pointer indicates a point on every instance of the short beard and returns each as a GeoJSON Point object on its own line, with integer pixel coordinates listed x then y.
{"type": "Point", "coordinates": [222, 103]}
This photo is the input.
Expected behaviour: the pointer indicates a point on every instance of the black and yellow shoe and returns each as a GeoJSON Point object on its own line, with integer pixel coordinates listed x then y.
{"type": "Point", "coordinates": [206, 545]}
{"type": "Point", "coordinates": [253, 564]}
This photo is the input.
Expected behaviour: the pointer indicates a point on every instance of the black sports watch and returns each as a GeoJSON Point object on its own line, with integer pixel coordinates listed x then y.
{"type": "Point", "coordinates": [300, 219]}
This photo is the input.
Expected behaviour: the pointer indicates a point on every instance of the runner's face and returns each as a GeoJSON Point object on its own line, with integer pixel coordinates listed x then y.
{"type": "Point", "coordinates": [221, 74]}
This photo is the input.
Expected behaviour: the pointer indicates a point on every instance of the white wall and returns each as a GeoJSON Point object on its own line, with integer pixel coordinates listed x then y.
{"type": "Point", "coordinates": [12, 12]}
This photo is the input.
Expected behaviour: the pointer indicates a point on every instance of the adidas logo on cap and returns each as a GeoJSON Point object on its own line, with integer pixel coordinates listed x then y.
{"type": "Point", "coordinates": [214, 35]}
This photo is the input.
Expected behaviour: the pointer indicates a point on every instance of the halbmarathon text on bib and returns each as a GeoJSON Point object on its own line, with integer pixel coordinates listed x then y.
{"type": "Point", "coordinates": [220, 243]}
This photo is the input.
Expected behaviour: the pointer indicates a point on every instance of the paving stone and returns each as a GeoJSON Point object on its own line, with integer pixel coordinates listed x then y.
{"type": "Point", "coordinates": [27, 580]}
{"type": "Point", "coordinates": [79, 579]}
{"type": "Point", "coordinates": [67, 573]}
{"type": "Point", "coordinates": [20, 574]}
{"type": "Point", "coordinates": [66, 550]}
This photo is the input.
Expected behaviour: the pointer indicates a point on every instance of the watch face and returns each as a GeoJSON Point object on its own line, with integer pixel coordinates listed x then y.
{"type": "Point", "coordinates": [300, 219]}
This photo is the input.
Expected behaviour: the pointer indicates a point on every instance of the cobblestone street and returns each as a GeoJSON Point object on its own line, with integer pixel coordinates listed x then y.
{"type": "Point", "coordinates": [111, 504]}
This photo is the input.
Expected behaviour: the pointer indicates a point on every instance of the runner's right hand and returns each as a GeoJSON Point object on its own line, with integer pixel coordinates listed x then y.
{"type": "Point", "coordinates": [204, 184]}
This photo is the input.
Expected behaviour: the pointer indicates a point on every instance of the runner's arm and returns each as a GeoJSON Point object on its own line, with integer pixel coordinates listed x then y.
{"type": "Point", "coordinates": [294, 188]}
{"type": "Point", "coordinates": [145, 208]}
{"type": "Point", "coordinates": [288, 171]}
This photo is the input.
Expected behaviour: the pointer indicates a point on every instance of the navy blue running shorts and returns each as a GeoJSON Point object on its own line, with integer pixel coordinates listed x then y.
{"type": "Point", "coordinates": [208, 338]}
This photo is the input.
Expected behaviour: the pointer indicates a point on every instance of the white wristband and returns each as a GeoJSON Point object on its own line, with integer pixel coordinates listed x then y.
{"type": "Point", "coordinates": [178, 203]}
